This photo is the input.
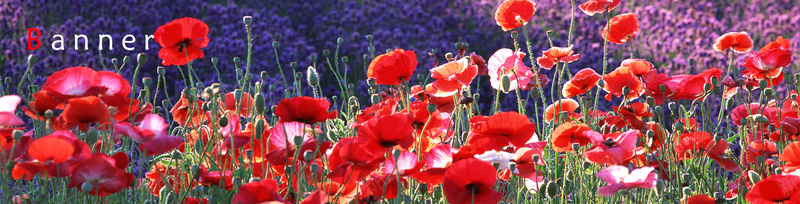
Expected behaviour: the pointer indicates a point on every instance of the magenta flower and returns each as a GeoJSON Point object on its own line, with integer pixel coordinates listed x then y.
{"type": "Point", "coordinates": [618, 178]}
{"type": "Point", "coordinates": [612, 148]}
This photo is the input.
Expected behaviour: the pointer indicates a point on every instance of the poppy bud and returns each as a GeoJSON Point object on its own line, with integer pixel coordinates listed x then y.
{"type": "Point", "coordinates": [275, 44]}
{"type": "Point", "coordinates": [86, 187]}
{"type": "Point", "coordinates": [339, 40]}
{"type": "Point", "coordinates": [514, 34]}
{"type": "Point", "coordinates": [351, 86]}
{"type": "Point", "coordinates": [126, 59]}
{"type": "Point", "coordinates": [576, 146]}
{"type": "Point", "coordinates": [651, 101]}
{"type": "Point", "coordinates": [321, 137]}
{"type": "Point", "coordinates": [673, 106]}
{"type": "Point", "coordinates": [476, 96]}
{"type": "Point", "coordinates": [658, 110]}
{"type": "Point", "coordinates": [314, 168]}
{"type": "Point", "coordinates": [687, 191]}
{"type": "Point", "coordinates": [198, 84]}
{"type": "Point", "coordinates": [754, 177]}
{"type": "Point", "coordinates": [778, 171]}
{"type": "Point", "coordinates": [512, 166]}
{"type": "Point", "coordinates": [298, 75]}
{"type": "Point", "coordinates": [308, 156]}
{"type": "Point", "coordinates": [420, 77]}
{"type": "Point", "coordinates": [177, 155]}
{"type": "Point", "coordinates": [423, 188]}
{"type": "Point", "coordinates": [326, 52]}
{"type": "Point", "coordinates": [677, 126]}
{"type": "Point", "coordinates": [91, 136]}
{"type": "Point", "coordinates": [199, 147]}
{"type": "Point", "coordinates": [371, 49]}
{"type": "Point", "coordinates": [431, 108]}
{"type": "Point", "coordinates": [247, 20]}
{"type": "Point", "coordinates": [114, 61]}
{"type": "Point", "coordinates": [161, 71]}
{"type": "Point", "coordinates": [8, 80]}
{"type": "Point", "coordinates": [706, 87]}
{"type": "Point", "coordinates": [626, 91]}
{"type": "Point", "coordinates": [345, 59]}
{"type": "Point", "coordinates": [396, 154]}
{"type": "Point", "coordinates": [506, 83]}
{"type": "Point", "coordinates": [496, 165]}
{"type": "Point", "coordinates": [147, 81]}
{"type": "Point", "coordinates": [535, 158]}
{"type": "Point", "coordinates": [601, 83]}
{"type": "Point", "coordinates": [214, 60]}
{"type": "Point", "coordinates": [223, 121]}
{"type": "Point", "coordinates": [552, 189]}
{"type": "Point", "coordinates": [587, 165]}
{"type": "Point", "coordinates": [271, 88]}
{"type": "Point", "coordinates": [650, 133]}
{"type": "Point", "coordinates": [312, 78]}
{"type": "Point", "coordinates": [141, 58]}
{"type": "Point", "coordinates": [691, 62]}
{"type": "Point", "coordinates": [534, 94]}
{"type": "Point", "coordinates": [763, 84]}
{"type": "Point", "coordinates": [236, 60]}
{"type": "Point", "coordinates": [449, 56]}
{"type": "Point", "coordinates": [729, 103]}
{"type": "Point", "coordinates": [761, 118]}
{"type": "Point", "coordinates": [298, 140]}
{"type": "Point", "coordinates": [259, 132]}
{"type": "Point", "coordinates": [768, 92]}
{"type": "Point", "coordinates": [662, 88]}
{"type": "Point", "coordinates": [371, 82]}
{"type": "Point", "coordinates": [32, 59]}
{"type": "Point", "coordinates": [369, 37]}
{"type": "Point", "coordinates": [238, 94]}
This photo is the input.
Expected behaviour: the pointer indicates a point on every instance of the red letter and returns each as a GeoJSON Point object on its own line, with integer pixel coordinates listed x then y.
{"type": "Point", "coordinates": [32, 39]}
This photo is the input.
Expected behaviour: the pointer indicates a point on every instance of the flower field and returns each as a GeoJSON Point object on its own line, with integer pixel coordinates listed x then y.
{"type": "Point", "coordinates": [476, 101]}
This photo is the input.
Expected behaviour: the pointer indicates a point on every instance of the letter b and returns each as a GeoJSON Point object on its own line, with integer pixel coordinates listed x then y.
{"type": "Point", "coordinates": [31, 39]}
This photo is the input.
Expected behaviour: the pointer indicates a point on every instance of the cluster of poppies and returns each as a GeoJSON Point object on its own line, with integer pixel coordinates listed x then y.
{"type": "Point", "coordinates": [423, 137]}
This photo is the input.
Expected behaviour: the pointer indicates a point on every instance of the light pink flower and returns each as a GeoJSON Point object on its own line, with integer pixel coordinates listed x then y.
{"type": "Point", "coordinates": [509, 63]}
{"type": "Point", "coordinates": [618, 178]}
{"type": "Point", "coordinates": [8, 105]}
{"type": "Point", "coordinates": [612, 148]}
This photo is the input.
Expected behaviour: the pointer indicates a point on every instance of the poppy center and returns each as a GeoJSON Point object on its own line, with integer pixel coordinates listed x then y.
{"type": "Point", "coordinates": [418, 124]}
{"type": "Point", "coordinates": [472, 187]}
{"type": "Point", "coordinates": [610, 142]}
{"type": "Point", "coordinates": [184, 43]}
{"type": "Point", "coordinates": [388, 144]}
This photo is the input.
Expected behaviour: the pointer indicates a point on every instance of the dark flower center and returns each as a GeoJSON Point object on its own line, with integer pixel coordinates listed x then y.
{"type": "Point", "coordinates": [418, 124]}
{"type": "Point", "coordinates": [466, 100]}
{"type": "Point", "coordinates": [610, 142]}
{"type": "Point", "coordinates": [472, 187]}
{"type": "Point", "coordinates": [388, 143]}
{"type": "Point", "coordinates": [184, 43]}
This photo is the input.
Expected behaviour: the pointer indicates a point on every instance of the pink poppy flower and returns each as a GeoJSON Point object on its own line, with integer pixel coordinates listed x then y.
{"type": "Point", "coordinates": [613, 148]}
{"type": "Point", "coordinates": [506, 62]}
{"type": "Point", "coordinates": [406, 165]}
{"type": "Point", "coordinates": [618, 178]}
{"type": "Point", "coordinates": [8, 105]}
{"type": "Point", "coordinates": [106, 174]}
{"type": "Point", "coordinates": [151, 134]}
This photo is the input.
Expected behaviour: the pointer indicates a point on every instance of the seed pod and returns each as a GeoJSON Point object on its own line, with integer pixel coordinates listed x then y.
{"type": "Point", "coordinates": [275, 44]}
{"type": "Point", "coordinates": [369, 37]}
{"type": "Point", "coordinates": [431, 108]}
{"type": "Point", "coordinates": [141, 58]}
{"type": "Point", "coordinates": [214, 60]}
{"type": "Point", "coordinates": [223, 121]}
{"type": "Point", "coordinates": [247, 20]}
{"type": "Point", "coordinates": [161, 71]}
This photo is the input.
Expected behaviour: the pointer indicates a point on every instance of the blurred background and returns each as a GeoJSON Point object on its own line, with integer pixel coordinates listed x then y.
{"type": "Point", "coordinates": [672, 32]}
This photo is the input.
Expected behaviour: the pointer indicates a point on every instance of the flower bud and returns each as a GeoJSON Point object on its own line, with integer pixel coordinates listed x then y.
{"type": "Point", "coordinates": [506, 83]}
{"type": "Point", "coordinates": [576, 146]}
{"type": "Point", "coordinates": [214, 60]}
{"type": "Point", "coordinates": [345, 59]}
{"type": "Point", "coordinates": [8, 80]}
{"type": "Point", "coordinates": [551, 189]}
{"type": "Point", "coordinates": [147, 81]}
{"type": "Point", "coordinates": [371, 49]}
{"type": "Point", "coordinates": [275, 44]}
{"type": "Point", "coordinates": [339, 40]}
{"type": "Point", "coordinates": [259, 103]}
{"type": "Point", "coordinates": [369, 37]}
{"type": "Point", "coordinates": [431, 108]}
{"type": "Point", "coordinates": [236, 60]}
{"type": "Point", "coordinates": [247, 20]}
{"type": "Point", "coordinates": [311, 76]}
{"type": "Point", "coordinates": [92, 136]}
{"type": "Point", "coordinates": [677, 126]}
{"type": "Point", "coordinates": [662, 88]}
{"type": "Point", "coordinates": [223, 121]}
{"type": "Point", "coordinates": [534, 93]}
{"type": "Point", "coordinates": [514, 34]}
{"type": "Point", "coordinates": [754, 177]}
{"type": "Point", "coordinates": [141, 58]}
{"type": "Point", "coordinates": [32, 59]}
{"type": "Point", "coordinates": [535, 158]}
{"type": "Point", "coordinates": [371, 82]}
{"type": "Point", "coordinates": [308, 156]}
{"type": "Point", "coordinates": [161, 71]}
{"type": "Point", "coordinates": [396, 154]}
{"type": "Point", "coordinates": [768, 92]}
{"type": "Point", "coordinates": [114, 61]}
{"type": "Point", "coordinates": [706, 87]}
{"type": "Point", "coordinates": [298, 140]}
{"type": "Point", "coordinates": [326, 52]}
{"type": "Point", "coordinates": [626, 92]}
{"type": "Point", "coordinates": [259, 129]}
{"type": "Point", "coordinates": [449, 56]}
{"type": "Point", "coordinates": [687, 191]}
{"type": "Point", "coordinates": [86, 187]}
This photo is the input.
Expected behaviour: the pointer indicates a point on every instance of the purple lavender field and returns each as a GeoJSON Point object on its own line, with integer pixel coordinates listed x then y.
{"type": "Point", "coordinates": [416, 101]}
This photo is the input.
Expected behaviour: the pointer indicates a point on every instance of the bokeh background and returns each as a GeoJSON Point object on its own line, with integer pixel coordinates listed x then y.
{"type": "Point", "coordinates": [672, 32]}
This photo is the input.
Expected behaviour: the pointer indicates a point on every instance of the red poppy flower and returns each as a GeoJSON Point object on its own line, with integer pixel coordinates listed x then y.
{"type": "Point", "coordinates": [791, 155]}
{"type": "Point", "coordinates": [42, 101]}
{"type": "Point", "coordinates": [477, 60]}
{"type": "Point", "coordinates": [555, 55]}
{"type": "Point", "coordinates": [639, 67]}
{"type": "Point", "coordinates": [46, 152]}
{"type": "Point", "coordinates": [406, 165]}
{"type": "Point", "coordinates": [106, 174]}
{"type": "Point", "coordinates": [223, 179]}
{"type": "Point", "coordinates": [393, 67]}
{"type": "Point", "coordinates": [699, 199]}
{"type": "Point", "coordinates": [384, 132]}
{"type": "Point", "coordinates": [471, 181]}
{"type": "Point", "coordinates": [503, 128]}
{"type": "Point", "coordinates": [453, 76]}
{"type": "Point", "coordinates": [620, 78]}
{"type": "Point", "coordinates": [243, 106]}
{"type": "Point", "coordinates": [553, 111]}
{"type": "Point", "coordinates": [701, 143]}
{"type": "Point", "coordinates": [737, 41]}
{"type": "Point", "coordinates": [568, 133]}
{"type": "Point", "coordinates": [613, 148]}
{"type": "Point", "coordinates": [8, 107]}
{"type": "Point", "coordinates": [769, 63]}
{"type": "Point", "coordinates": [264, 191]}
{"type": "Point", "coordinates": [598, 6]}
{"type": "Point", "coordinates": [383, 186]}
{"type": "Point", "coordinates": [758, 148]}
{"type": "Point", "coordinates": [778, 43]}
{"type": "Point", "coordinates": [775, 189]}
{"type": "Point", "coordinates": [304, 109]}
{"type": "Point", "coordinates": [745, 110]}
{"type": "Point", "coordinates": [176, 179]}
{"type": "Point", "coordinates": [84, 81]}
{"type": "Point", "coordinates": [580, 83]}
{"type": "Point", "coordinates": [437, 160]}
{"type": "Point", "coordinates": [339, 193]}
{"type": "Point", "coordinates": [691, 88]}
{"type": "Point", "coordinates": [180, 112]}
{"type": "Point", "coordinates": [514, 13]}
{"type": "Point", "coordinates": [523, 157]}
{"type": "Point", "coordinates": [84, 110]}
{"type": "Point", "coordinates": [385, 107]}
{"type": "Point", "coordinates": [348, 162]}
{"type": "Point", "coordinates": [621, 28]}
{"type": "Point", "coordinates": [181, 40]}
